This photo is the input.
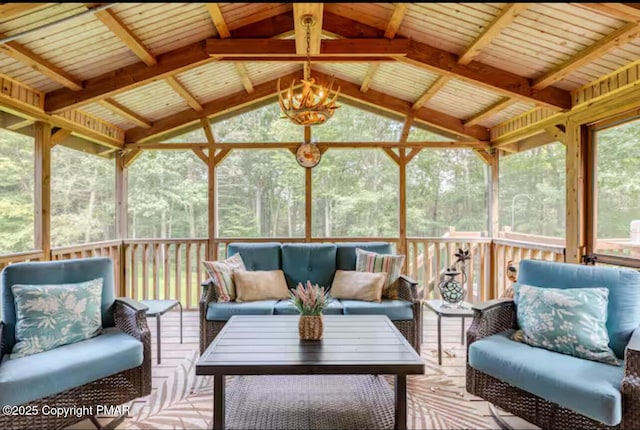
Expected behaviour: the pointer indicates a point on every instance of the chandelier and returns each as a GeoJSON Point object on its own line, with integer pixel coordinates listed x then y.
{"type": "Point", "coordinates": [311, 103]}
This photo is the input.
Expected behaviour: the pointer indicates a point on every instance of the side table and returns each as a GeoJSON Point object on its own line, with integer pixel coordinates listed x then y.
{"type": "Point", "coordinates": [157, 308]}
{"type": "Point", "coordinates": [443, 310]}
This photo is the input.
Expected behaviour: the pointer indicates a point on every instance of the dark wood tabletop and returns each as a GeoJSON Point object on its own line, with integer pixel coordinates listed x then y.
{"type": "Point", "coordinates": [269, 344]}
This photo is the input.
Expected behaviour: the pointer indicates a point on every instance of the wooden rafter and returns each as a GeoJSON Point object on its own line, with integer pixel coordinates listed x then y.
{"type": "Point", "coordinates": [218, 20]}
{"type": "Point", "coordinates": [20, 124]}
{"type": "Point", "coordinates": [399, 11]}
{"type": "Point", "coordinates": [184, 93]}
{"type": "Point", "coordinates": [59, 136]}
{"type": "Point", "coordinates": [125, 112]}
{"type": "Point", "coordinates": [117, 27]}
{"type": "Point", "coordinates": [504, 18]}
{"type": "Point", "coordinates": [436, 86]}
{"type": "Point", "coordinates": [621, 36]}
{"type": "Point", "coordinates": [373, 68]}
{"type": "Point", "coordinates": [500, 105]}
{"type": "Point", "coordinates": [244, 75]}
{"type": "Point", "coordinates": [299, 11]}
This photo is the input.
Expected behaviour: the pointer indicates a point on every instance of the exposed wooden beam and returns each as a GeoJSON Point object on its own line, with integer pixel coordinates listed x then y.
{"type": "Point", "coordinates": [184, 93]}
{"type": "Point", "coordinates": [373, 68]}
{"type": "Point", "coordinates": [274, 48]}
{"type": "Point", "coordinates": [413, 153]}
{"type": "Point", "coordinates": [131, 156]}
{"type": "Point", "coordinates": [12, 10]}
{"type": "Point", "coordinates": [124, 112]}
{"type": "Point", "coordinates": [436, 86]}
{"type": "Point", "coordinates": [208, 131]}
{"type": "Point", "coordinates": [484, 156]}
{"type": "Point", "coordinates": [557, 133]}
{"type": "Point", "coordinates": [621, 36]}
{"type": "Point", "coordinates": [244, 75]}
{"type": "Point", "coordinates": [221, 155]}
{"type": "Point", "coordinates": [39, 64]}
{"type": "Point", "coordinates": [117, 27]}
{"type": "Point", "coordinates": [42, 187]}
{"type": "Point", "coordinates": [394, 157]}
{"type": "Point", "coordinates": [406, 127]}
{"type": "Point", "coordinates": [300, 10]}
{"type": "Point", "coordinates": [321, 145]}
{"type": "Point", "coordinates": [399, 11]}
{"type": "Point", "coordinates": [502, 21]}
{"type": "Point", "coordinates": [218, 20]}
{"type": "Point", "coordinates": [626, 11]}
{"type": "Point", "coordinates": [20, 124]}
{"type": "Point", "coordinates": [500, 105]}
{"type": "Point", "coordinates": [59, 136]}
{"type": "Point", "coordinates": [201, 155]}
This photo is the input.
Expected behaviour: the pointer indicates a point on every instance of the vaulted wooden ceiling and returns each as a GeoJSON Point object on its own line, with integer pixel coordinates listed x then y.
{"type": "Point", "coordinates": [136, 72]}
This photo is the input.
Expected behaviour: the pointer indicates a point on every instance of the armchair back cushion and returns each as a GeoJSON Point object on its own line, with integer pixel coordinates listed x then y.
{"type": "Point", "coordinates": [315, 262]}
{"type": "Point", "coordinates": [346, 252]}
{"type": "Point", "coordinates": [55, 272]}
{"type": "Point", "coordinates": [623, 285]}
{"type": "Point", "coordinates": [258, 256]}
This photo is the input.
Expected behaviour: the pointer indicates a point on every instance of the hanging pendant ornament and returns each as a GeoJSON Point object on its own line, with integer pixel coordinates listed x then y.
{"type": "Point", "coordinates": [308, 155]}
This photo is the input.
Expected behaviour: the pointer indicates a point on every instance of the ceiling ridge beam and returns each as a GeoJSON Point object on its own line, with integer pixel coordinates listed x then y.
{"type": "Point", "coordinates": [183, 92]}
{"type": "Point", "coordinates": [399, 11]}
{"type": "Point", "coordinates": [119, 28]}
{"type": "Point", "coordinates": [506, 16]}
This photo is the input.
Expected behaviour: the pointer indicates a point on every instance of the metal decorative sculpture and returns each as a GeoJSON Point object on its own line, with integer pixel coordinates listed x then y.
{"type": "Point", "coordinates": [452, 291]}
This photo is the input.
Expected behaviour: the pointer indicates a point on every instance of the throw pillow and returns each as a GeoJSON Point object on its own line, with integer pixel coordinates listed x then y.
{"type": "Point", "coordinates": [367, 261]}
{"type": "Point", "coordinates": [260, 285]}
{"type": "Point", "coordinates": [569, 321]}
{"type": "Point", "coordinates": [354, 285]}
{"type": "Point", "coordinates": [222, 274]}
{"type": "Point", "coordinates": [48, 316]}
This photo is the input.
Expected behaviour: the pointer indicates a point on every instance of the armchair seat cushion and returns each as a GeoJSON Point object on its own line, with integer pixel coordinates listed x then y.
{"type": "Point", "coordinates": [285, 307]}
{"type": "Point", "coordinates": [588, 387]}
{"type": "Point", "coordinates": [36, 376]}
{"type": "Point", "coordinates": [396, 310]}
{"type": "Point", "coordinates": [225, 310]}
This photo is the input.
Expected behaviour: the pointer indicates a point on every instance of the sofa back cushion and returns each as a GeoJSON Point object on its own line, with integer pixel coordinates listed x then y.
{"type": "Point", "coordinates": [258, 256]}
{"type": "Point", "coordinates": [315, 262]}
{"type": "Point", "coordinates": [623, 312]}
{"type": "Point", "coordinates": [346, 252]}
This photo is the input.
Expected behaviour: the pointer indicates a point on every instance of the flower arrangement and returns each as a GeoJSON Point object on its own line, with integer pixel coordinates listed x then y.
{"type": "Point", "coordinates": [310, 300]}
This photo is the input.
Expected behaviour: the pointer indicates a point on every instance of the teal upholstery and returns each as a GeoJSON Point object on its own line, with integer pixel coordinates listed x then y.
{"type": "Point", "coordinates": [585, 386]}
{"type": "Point", "coordinates": [285, 307]}
{"type": "Point", "coordinates": [346, 252]}
{"type": "Point", "coordinates": [225, 310]}
{"type": "Point", "coordinates": [624, 292]}
{"type": "Point", "coordinates": [258, 256]}
{"type": "Point", "coordinates": [315, 262]}
{"type": "Point", "coordinates": [55, 272]}
{"type": "Point", "coordinates": [51, 372]}
{"type": "Point", "coordinates": [396, 310]}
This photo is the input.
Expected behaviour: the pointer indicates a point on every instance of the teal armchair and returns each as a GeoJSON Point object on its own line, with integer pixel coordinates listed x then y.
{"type": "Point", "coordinates": [109, 369]}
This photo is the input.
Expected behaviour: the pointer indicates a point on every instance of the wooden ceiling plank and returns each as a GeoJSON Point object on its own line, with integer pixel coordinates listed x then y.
{"type": "Point", "coordinates": [510, 12]}
{"type": "Point", "coordinates": [629, 12]}
{"type": "Point", "coordinates": [436, 86]}
{"type": "Point", "coordinates": [399, 11]}
{"type": "Point", "coordinates": [246, 48]}
{"type": "Point", "coordinates": [373, 68]}
{"type": "Point", "coordinates": [621, 36]}
{"type": "Point", "coordinates": [39, 64]}
{"type": "Point", "coordinates": [244, 75]}
{"type": "Point", "coordinates": [184, 93]}
{"type": "Point", "coordinates": [300, 10]}
{"type": "Point", "coordinates": [13, 10]}
{"type": "Point", "coordinates": [218, 20]}
{"type": "Point", "coordinates": [500, 105]}
{"type": "Point", "coordinates": [125, 112]}
{"type": "Point", "coordinates": [117, 27]}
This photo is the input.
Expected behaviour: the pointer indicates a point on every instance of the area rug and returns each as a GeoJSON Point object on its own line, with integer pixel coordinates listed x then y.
{"type": "Point", "coordinates": [185, 401]}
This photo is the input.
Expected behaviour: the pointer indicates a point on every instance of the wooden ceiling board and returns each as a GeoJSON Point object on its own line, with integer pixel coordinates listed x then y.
{"type": "Point", "coordinates": [353, 72]}
{"type": "Point", "coordinates": [153, 101]}
{"type": "Point", "coordinates": [462, 100]}
{"type": "Point", "coordinates": [373, 14]}
{"type": "Point", "coordinates": [107, 115]}
{"type": "Point", "coordinates": [402, 81]}
{"type": "Point", "coordinates": [238, 15]}
{"type": "Point", "coordinates": [510, 112]}
{"type": "Point", "coordinates": [211, 81]}
{"type": "Point", "coordinates": [28, 76]}
{"type": "Point", "coordinates": [41, 17]}
{"type": "Point", "coordinates": [260, 73]}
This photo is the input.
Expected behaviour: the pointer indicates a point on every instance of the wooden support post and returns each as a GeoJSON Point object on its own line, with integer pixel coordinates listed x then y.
{"type": "Point", "coordinates": [213, 215]}
{"type": "Point", "coordinates": [308, 197]}
{"type": "Point", "coordinates": [402, 246]}
{"type": "Point", "coordinates": [42, 154]}
{"type": "Point", "coordinates": [494, 225]}
{"type": "Point", "coordinates": [122, 216]}
{"type": "Point", "coordinates": [575, 192]}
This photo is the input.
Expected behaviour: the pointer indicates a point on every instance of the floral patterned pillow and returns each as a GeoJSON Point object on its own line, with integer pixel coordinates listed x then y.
{"type": "Point", "coordinates": [48, 316]}
{"type": "Point", "coordinates": [569, 321]}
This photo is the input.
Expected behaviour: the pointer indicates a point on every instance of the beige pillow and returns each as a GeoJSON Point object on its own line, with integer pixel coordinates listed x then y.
{"type": "Point", "coordinates": [355, 285]}
{"type": "Point", "coordinates": [260, 285]}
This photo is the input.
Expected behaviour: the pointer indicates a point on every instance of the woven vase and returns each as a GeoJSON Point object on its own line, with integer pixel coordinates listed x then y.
{"type": "Point", "coordinates": [310, 327]}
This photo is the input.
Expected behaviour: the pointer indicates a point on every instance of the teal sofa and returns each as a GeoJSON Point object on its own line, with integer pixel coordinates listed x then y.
{"type": "Point", "coordinates": [553, 390]}
{"type": "Point", "coordinates": [316, 262]}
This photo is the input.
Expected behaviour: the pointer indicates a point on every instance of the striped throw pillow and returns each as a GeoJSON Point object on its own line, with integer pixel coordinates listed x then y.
{"type": "Point", "coordinates": [367, 261]}
{"type": "Point", "coordinates": [222, 274]}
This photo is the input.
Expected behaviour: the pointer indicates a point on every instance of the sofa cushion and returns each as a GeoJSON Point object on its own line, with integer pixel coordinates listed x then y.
{"type": "Point", "coordinates": [222, 274]}
{"type": "Point", "coordinates": [396, 310]}
{"type": "Point", "coordinates": [587, 387]}
{"type": "Point", "coordinates": [258, 256]}
{"type": "Point", "coordinates": [285, 307]}
{"type": "Point", "coordinates": [346, 252]}
{"type": "Point", "coordinates": [41, 375]}
{"type": "Point", "coordinates": [258, 285]}
{"type": "Point", "coordinates": [354, 285]}
{"type": "Point", "coordinates": [623, 309]}
{"type": "Point", "coordinates": [367, 261]}
{"type": "Point", "coordinates": [315, 262]}
{"type": "Point", "coordinates": [224, 311]}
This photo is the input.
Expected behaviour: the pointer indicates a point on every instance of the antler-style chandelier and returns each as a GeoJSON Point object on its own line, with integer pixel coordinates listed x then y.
{"type": "Point", "coordinates": [310, 104]}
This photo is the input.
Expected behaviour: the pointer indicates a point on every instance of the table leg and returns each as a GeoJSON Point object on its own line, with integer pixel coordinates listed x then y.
{"type": "Point", "coordinates": [158, 335]}
{"type": "Point", "coordinates": [462, 333]}
{"type": "Point", "coordinates": [218, 402]}
{"type": "Point", "coordinates": [401, 402]}
{"type": "Point", "coordinates": [180, 304]}
{"type": "Point", "coordinates": [439, 339]}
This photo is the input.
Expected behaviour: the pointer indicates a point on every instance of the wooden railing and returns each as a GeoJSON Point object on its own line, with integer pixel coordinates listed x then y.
{"type": "Point", "coordinates": [19, 257]}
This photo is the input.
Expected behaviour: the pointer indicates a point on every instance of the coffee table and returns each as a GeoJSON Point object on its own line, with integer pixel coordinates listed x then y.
{"type": "Point", "coordinates": [269, 345]}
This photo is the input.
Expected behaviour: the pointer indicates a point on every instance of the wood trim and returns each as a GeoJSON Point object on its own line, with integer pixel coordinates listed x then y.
{"type": "Point", "coordinates": [131, 156]}
{"type": "Point", "coordinates": [42, 187]}
{"type": "Point", "coordinates": [557, 133]}
{"type": "Point", "coordinates": [402, 204]}
{"type": "Point", "coordinates": [201, 155]}
{"type": "Point", "coordinates": [491, 110]}
{"type": "Point", "coordinates": [406, 127]}
{"type": "Point", "coordinates": [308, 209]}
{"type": "Point", "coordinates": [285, 49]}
{"type": "Point", "coordinates": [322, 145]}
{"type": "Point", "coordinates": [208, 131]}
{"type": "Point", "coordinates": [509, 13]}
{"type": "Point", "coordinates": [399, 11]}
{"type": "Point", "coordinates": [414, 152]}
{"type": "Point", "coordinates": [218, 20]}
{"type": "Point", "coordinates": [486, 157]}
{"type": "Point", "coordinates": [221, 155]}
{"type": "Point", "coordinates": [394, 157]}
{"type": "Point", "coordinates": [117, 27]}
{"type": "Point", "coordinates": [575, 192]}
{"type": "Point", "coordinates": [436, 86]}
{"type": "Point", "coordinates": [125, 112]}
{"type": "Point", "coordinates": [122, 186]}
{"type": "Point", "coordinates": [20, 124]}
{"type": "Point", "coordinates": [373, 68]}
{"type": "Point", "coordinates": [184, 93]}
{"type": "Point", "coordinates": [59, 136]}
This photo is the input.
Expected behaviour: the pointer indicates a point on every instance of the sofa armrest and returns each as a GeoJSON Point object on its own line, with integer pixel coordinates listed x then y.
{"type": "Point", "coordinates": [491, 317]}
{"type": "Point", "coordinates": [630, 388]}
{"type": "Point", "coordinates": [209, 292]}
{"type": "Point", "coordinates": [407, 289]}
{"type": "Point", "coordinates": [131, 318]}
